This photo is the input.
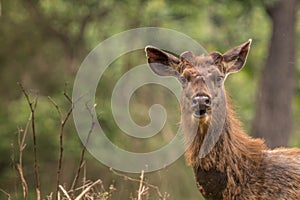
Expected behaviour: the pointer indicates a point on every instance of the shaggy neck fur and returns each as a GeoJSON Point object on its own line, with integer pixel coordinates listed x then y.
{"type": "Point", "coordinates": [236, 157]}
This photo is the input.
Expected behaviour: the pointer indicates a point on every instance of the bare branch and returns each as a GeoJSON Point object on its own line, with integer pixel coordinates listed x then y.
{"type": "Point", "coordinates": [38, 193]}
{"type": "Point", "coordinates": [56, 107]}
{"type": "Point", "coordinates": [63, 121]}
{"type": "Point", "coordinates": [26, 96]}
{"type": "Point", "coordinates": [7, 194]}
{"type": "Point", "coordinates": [19, 167]}
{"type": "Point", "coordinates": [23, 181]}
{"type": "Point", "coordinates": [142, 187]}
{"type": "Point", "coordinates": [84, 149]}
{"type": "Point", "coordinates": [65, 192]}
{"type": "Point", "coordinates": [32, 106]}
{"type": "Point", "coordinates": [87, 183]}
{"type": "Point", "coordinates": [87, 189]}
{"type": "Point", "coordinates": [49, 197]}
{"type": "Point", "coordinates": [84, 175]}
{"type": "Point", "coordinates": [66, 94]}
{"type": "Point", "coordinates": [156, 188]}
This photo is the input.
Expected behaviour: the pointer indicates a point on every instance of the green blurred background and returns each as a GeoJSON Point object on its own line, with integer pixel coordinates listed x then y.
{"type": "Point", "coordinates": [43, 44]}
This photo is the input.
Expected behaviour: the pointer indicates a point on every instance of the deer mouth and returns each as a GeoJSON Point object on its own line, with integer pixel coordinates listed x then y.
{"type": "Point", "coordinates": [201, 112]}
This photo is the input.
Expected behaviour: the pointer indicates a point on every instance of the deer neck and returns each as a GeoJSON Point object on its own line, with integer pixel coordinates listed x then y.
{"type": "Point", "coordinates": [234, 149]}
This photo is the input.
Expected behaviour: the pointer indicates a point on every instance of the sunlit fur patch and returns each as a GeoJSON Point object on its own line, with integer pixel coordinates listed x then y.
{"type": "Point", "coordinates": [203, 121]}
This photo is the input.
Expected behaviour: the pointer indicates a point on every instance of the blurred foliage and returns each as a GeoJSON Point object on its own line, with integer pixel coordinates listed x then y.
{"type": "Point", "coordinates": [44, 42]}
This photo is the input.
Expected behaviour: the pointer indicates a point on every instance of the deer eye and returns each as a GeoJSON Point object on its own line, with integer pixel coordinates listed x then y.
{"type": "Point", "coordinates": [219, 78]}
{"type": "Point", "coordinates": [183, 80]}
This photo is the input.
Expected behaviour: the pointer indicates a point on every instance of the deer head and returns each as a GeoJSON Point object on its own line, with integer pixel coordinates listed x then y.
{"type": "Point", "coordinates": [202, 79]}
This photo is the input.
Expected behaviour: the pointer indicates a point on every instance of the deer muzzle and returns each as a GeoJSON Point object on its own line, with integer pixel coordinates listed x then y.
{"type": "Point", "coordinates": [201, 104]}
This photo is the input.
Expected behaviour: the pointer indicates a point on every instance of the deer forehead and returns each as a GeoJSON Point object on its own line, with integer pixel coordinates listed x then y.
{"type": "Point", "coordinates": [202, 60]}
{"type": "Point", "coordinates": [199, 66]}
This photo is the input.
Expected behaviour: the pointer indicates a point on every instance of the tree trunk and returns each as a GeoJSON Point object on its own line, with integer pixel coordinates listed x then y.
{"type": "Point", "coordinates": [273, 120]}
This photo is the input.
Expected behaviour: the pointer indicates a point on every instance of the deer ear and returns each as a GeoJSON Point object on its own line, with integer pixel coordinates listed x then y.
{"type": "Point", "coordinates": [161, 62]}
{"type": "Point", "coordinates": [235, 58]}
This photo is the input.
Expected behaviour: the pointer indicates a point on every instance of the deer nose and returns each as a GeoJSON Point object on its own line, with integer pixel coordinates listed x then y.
{"type": "Point", "coordinates": [201, 101]}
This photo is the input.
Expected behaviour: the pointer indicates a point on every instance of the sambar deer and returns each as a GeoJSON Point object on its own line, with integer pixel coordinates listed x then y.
{"type": "Point", "coordinates": [228, 164]}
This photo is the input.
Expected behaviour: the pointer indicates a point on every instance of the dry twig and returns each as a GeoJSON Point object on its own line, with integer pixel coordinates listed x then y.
{"type": "Point", "coordinates": [19, 166]}
{"type": "Point", "coordinates": [23, 181]}
{"type": "Point", "coordinates": [141, 187]}
{"type": "Point", "coordinates": [6, 193]}
{"type": "Point", "coordinates": [87, 189]}
{"type": "Point", "coordinates": [32, 106]}
{"type": "Point", "coordinates": [156, 188]}
{"type": "Point", "coordinates": [63, 121]}
{"type": "Point", "coordinates": [83, 149]}
{"type": "Point", "coordinates": [84, 175]}
{"type": "Point", "coordinates": [65, 192]}
{"type": "Point", "coordinates": [66, 94]}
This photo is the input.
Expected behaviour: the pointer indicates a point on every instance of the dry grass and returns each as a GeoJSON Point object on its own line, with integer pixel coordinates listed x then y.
{"type": "Point", "coordinates": [87, 189]}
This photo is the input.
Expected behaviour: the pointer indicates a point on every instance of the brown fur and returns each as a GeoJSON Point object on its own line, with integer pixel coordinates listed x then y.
{"type": "Point", "coordinates": [238, 166]}
{"type": "Point", "coordinates": [252, 171]}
